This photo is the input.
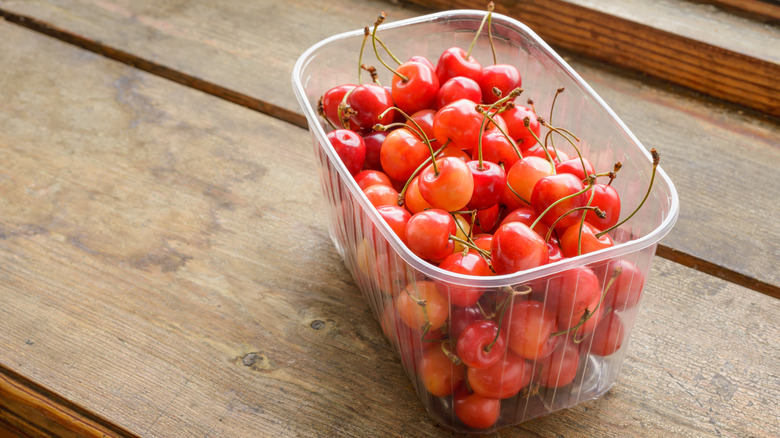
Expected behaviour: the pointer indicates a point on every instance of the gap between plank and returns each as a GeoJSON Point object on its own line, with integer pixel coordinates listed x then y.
{"type": "Point", "coordinates": [299, 120]}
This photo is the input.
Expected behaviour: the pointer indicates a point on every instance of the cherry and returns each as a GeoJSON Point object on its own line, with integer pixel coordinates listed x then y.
{"type": "Point", "coordinates": [554, 197]}
{"type": "Point", "coordinates": [576, 241]}
{"type": "Point", "coordinates": [368, 178]}
{"type": "Point", "coordinates": [476, 411]}
{"type": "Point", "coordinates": [554, 249]}
{"type": "Point", "coordinates": [373, 141]}
{"type": "Point", "coordinates": [496, 148]}
{"type": "Point", "coordinates": [469, 263]}
{"type": "Point", "coordinates": [424, 120]}
{"type": "Point", "coordinates": [608, 337]}
{"type": "Point", "coordinates": [402, 153]}
{"type": "Point", "coordinates": [559, 368]}
{"type": "Point", "coordinates": [570, 293]}
{"type": "Point", "coordinates": [516, 248]}
{"type": "Point", "coordinates": [521, 180]}
{"type": "Point", "coordinates": [484, 241]}
{"type": "Point", "coordinates": [454, 151]}
{"type": "Point", "coordinates": [440, 376]}
{"type": "Point", "coordinates": [330, 101]}
{"type": "Point", "coordinates": [481, 344]}
{"type": "Point", "coordinates": [486, 220]}
{"type": "Point", "coordinates": [458, 88]}
{"type": "Point", "coordinates": [529, 328]}
{"type": "Point", "coordinates": [379, 195]}
{"type": "Point", "coordinates": [369, 101]}
{"type": "Point", "coordinates": [446, 184]}
{"type": "Point", "coordinates": [428, 234]}
{"type": "Point", "coordinates": [527, 216]}
{"type": "Point", "coordinates": [556, 155]}
{"type": "Point", "coordinates": [489, 182]}
{"type": "Point", "coordinates": [460, 317]}
{"type": "Point", "coordinates": [415, 86]}
{"type": "Point", "coordinates": [397, 218]}
{"type": "Point", "coordinates": [413, 200]}
{"type": "Point", "coordinates": [502, 76]}
{"type": "Point", "coordinates": [606, 198]}
{"type": "Point", "coordinates": [457, 62]}
{"type": "Point", "coordinates": [626, 290]}
{"type": "Point", "coordinates": [579, 168]}
{"type": "Point", "coordinates": [502, 380]}
{"type": "Point", "coordinates": [350, 148]}
{"type": "Point", "coordinates": [515, 121]}
{"type": "Point", "coordinates": [421, 307]}
{"type": "Point", "coordinates": [459, 122]}
{"type": "Point", "coordinates": [422, 60]}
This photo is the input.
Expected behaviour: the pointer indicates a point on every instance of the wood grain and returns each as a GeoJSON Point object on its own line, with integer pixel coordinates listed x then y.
{"type": "Point", "coordinates": [162, 266]}
{"type": "Point", "coordinates": [762, 10]}
{"type": "Point", "coordinates": [736, 60]}
{"type": "Point", "coordinates": [216, 50]}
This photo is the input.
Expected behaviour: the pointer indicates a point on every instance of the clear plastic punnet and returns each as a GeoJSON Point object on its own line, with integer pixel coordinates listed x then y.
{"type": "Point", "coordinates": [581, 354]}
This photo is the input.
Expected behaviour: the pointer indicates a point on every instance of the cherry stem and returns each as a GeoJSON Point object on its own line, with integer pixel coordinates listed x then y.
{"type": "Point", "coordinates": [511, 189]}
{"type": "Point", "coordinates": [614, 172]}
{"type": "Point", "coordinates": [449, 353]}
{"type": "Point", "coordinates": [527, 123]}
{"type": "Point", "coordinates": [344, 111]}
{"type": "Point", "coordinates": [490, 8]}
{"type": "Point", "coordinates": [366, 34]}
{"type": "Point", "coordinates": [490, 33]}
{"type": "Point", "coordinates": [512, 294]}
{"type": "Point", "coordinates": [656, 159]}
{"type": "Point", "coordinates": [598, 212]}
{"type": "Point", "coordinates": [589, 313]}
{"type": "Point", "coordinates": [321, 112]}
{"type": "Point", "coordinates": [419, 169]}
{"type": "Point", "coordinates": [372, 71]}
{"type": "Point", "coordinates": [588, 187]}
{"type": "Point", "coordinates": [500, 129]}
{"type": "Point", "coordinates": [379, 21]}
{"type": "Point", "coordinates": [561, 132]}
{"type": "Point", "coordinates": [552, 107]}
{"type": "Point", "coordinates": [470, 244]}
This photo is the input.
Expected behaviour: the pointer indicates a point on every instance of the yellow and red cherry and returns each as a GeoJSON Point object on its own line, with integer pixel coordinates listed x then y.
{"type": "Point", "coordinates": [608, 336]}
{"type": "Point", "coordinates": [570, 293]}
{"type": "Point", "coordinates": [457, 88]}
{"type": "Point", "coordinates": [380, 194]}
{"type": "Point", "coordinates": [413, 200]}
{"type": "Point", "coordinates": [476, 411]}
{"type": "Point", "coordinates": [581, 168]}
{"type": "Point", "coordinates": [626, 290]}
{"type": "Point", "coordinates": [457, 62]}
{"type": "Point", "coordinates": [396, 217]}
{"type": "Point", "coordinates": [369, 101]}
{"type": "Point", "coordinates": [515, 121]}
{"type": "Point", "coordinates": [350, 147]}
{"type": "Point", "coordinates": [428, 234]}
{"type": "Point", "coordinates": [447, 185]}
{"type": "Point", "coordinates": [515, 247]}
{"type": "Point", "coordinates": [576, 241]}
{"type": "Point", "coordinates": [459, 122]}
{"type": "Point", "coordinates": [414, 87]}
{"type": "Point", "coordinates": [481, 344]}
{"type": "Point", "coordinates": [504, 77]}
{"type": "Point", "coordinates": [402, 153]}
{"type": "Point", "coordinates": [469, 263]}
{"type": "Point", "coordinates": [607, 199]}
{"type": "Point", "coordinates": [489, 182]}
{"type": "Point", "coordinates": [455, 152]}
{"type": "Point", "coordinates": [496, 148]}
{"type": "Point", "coordinates": [560, 368]}
{"type": "Point", "coordinates": [521, 179]}
{"type": "Point", "coordinates": [420, 305]}
{"type": "Point", "coordinates": [330, 102]}
{"type": "Point", "coordinates": [502, 380]}
{"type": "Point", "coordinates": [555, 199]}
{"type": "Point", "coordinates": [368, 178]}
{"type": "Point", "coordinates": [528, 328]}
{"type": "Point", "coordinates": [440, 376]}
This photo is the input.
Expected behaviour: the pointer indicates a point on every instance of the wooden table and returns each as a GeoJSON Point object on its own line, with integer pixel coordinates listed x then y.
{"type": "Point", "coordinates": [165, 270]}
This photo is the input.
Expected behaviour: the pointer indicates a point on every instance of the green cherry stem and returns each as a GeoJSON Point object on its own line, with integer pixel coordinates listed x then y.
{"type": "Point", "coordinates": [490, 8]}
{"type": "Point", "coordinates": [379, 21]}
{"type": "Point", "coordinates": [588, 187]}
{"type": "Point", "coordinates": [366, 34]}
{"type": "Point", "coordinates": [402, 193]}
{"type": "Point", "coordinates": [656, 159]}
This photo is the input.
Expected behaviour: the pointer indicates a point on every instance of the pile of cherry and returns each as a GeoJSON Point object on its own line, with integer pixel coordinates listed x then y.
{"type": "Point", "coordinates": [458, 168]}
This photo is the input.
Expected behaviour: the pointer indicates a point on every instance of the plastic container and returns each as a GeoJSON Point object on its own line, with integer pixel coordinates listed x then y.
{"type": "Point", "coordinates": [583, 364]}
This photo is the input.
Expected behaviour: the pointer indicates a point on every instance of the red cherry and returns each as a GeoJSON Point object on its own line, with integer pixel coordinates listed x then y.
{"type": "Point", "coordinates": [522, 177]}
{"type": "Point", "coordinates": [459, 122]}
{"type": "Point", "coordinates": [422, 60]}
{"type": "Point", "coordinates": [502, 76]}
{"type": "Point", "coordinates": [484, 241]}
{"type": "Point", "coordinates": [402, 153]}
{"type": "Point", "coordinates": [421, 305]}
{"type": "Point", "coordinates": [428, 234]}
{"type": "Point", "coordinates": [527, 216]}
{"type": "Point", "coordinates": [458, 88]}
{"type": "Point", "coordinates": [515, 121]}
{"type": "Point", "coordinates": [489, 183]}
{"type": "Point", "coordinates": [516, 248]}
{"type": "Point", "coordinates": [448, 186]}
{"type": "Point", "coordinates": [424, 119]}
{"type": "Point", "coordinates": [587, 241]}
{"type": "Point", "coordinates": [554, 249]}
{"type": "Point", "coordinates": [626, 289]}
{"type": "Point", "coordinates": [503, 380]}
{"type": "Point", "coordinates": [570, 293]}
{"type": "Point", "coordinates": [528, 328]}
{"type": "Point", "coordinates": [480, 344]}
{"type": "Point", "coordinates": [575, 167]}
{"type": "Point", "coordinates": [373, 143]}
{"type": "Point", "coordinates": [560, 368]}
{"type": "Point", "coordinates": [550, 190]}
{"type": "Point", "coordinates": [380, 194]}
{"type": "Point", "coordinates": [368, 178]}
{"type": "Point", "coordinates": [417, 91]}
{"type": "Point", "coordinates": [608, 337]}
{"type": "Point", "coordinates": [496, 148]}
{"type": "Point", "coordinates": [370, 101]}
{"type": "Point", "coordinates": [476, 411]}
{"type": "Point", "coordinates": [457, 62]}
{"type": "Point", "coordinates": [439, 374]}
{"type": "Point", "coordinates": [486, 220]}
{"type": "Point", "coordinates": [557, 155]}
{"type": "Point", "coordinates": [461, 317]}
{"type": "Point", "coordinates": [350, 148]}
{"type": "Point", "coordinates": [331, 101]}
{"type": "Point", "coordinates": [470, 263]}
{"type": "Point", "coordinates": [397, 217]}
{"type": "Point", "coordinates": [606, 198]}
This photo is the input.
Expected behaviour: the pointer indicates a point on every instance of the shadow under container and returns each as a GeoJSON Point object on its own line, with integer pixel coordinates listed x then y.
{"type": "Point", "coordinates": [579, 365]}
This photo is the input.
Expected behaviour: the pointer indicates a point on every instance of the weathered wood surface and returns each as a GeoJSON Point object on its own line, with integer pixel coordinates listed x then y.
{"type": "Point", "coordinates": [762, 10]}
{"type": "Point", "coordinates": [702, 142]}
{"type": "Point", "coordinates": [162, 273]}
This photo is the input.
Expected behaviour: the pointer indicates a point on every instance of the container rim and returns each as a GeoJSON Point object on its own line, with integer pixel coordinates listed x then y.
{"type": "Point", "coordinates": [401, 249]}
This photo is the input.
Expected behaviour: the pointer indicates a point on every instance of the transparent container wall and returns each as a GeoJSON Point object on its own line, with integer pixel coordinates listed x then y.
{"type": "Point", "coordinates": [582, 358]}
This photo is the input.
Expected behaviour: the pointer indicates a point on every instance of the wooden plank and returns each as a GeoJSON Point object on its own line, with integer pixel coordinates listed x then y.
{"type": "Point", "coordinates": [762, 10]}
{"type": "Point", "coordinates": [687, 44]}
{"type": "Point", "coordinates": [217, 50]}
{"type": "Point", "coordinates": [161, 268]}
